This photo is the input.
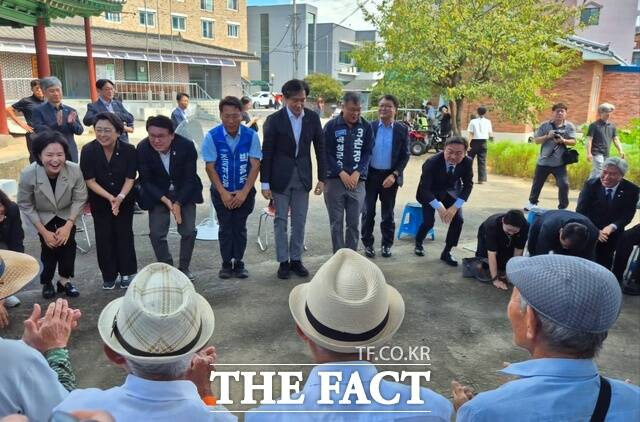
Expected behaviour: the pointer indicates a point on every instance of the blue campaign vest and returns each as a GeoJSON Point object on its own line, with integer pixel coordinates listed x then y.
{"type": "Point", "coordinates": [232, 167]}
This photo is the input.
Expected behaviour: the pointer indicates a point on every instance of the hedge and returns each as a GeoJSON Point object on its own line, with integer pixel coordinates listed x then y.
{"type": "Point", "coordinates": [519, 159]}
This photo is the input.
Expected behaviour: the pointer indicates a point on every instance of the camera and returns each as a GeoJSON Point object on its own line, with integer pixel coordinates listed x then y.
{"type": "Point", "coordinates": [559, 133]}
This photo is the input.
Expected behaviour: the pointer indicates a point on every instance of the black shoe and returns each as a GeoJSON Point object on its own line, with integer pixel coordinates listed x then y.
{"type": "Point", "coordinates": [298, 269]}
{"type": "Point", "coordinates": [48, 291]}
{"type": "Point", "coordinates": [226, 271]}
{"type": "Point", "coordinates": [189, 275]}
{"type": "Point", "coordinates": [448, 259]}
{"type": "Point", "coordinates": [68, 289]}
{"type": "Point", "coordinates": [419, 250]}
{"type": "Point", "coordinates": [239, 271]}
{"type": "Point", "coordinates": [369, 252]}
{"type": "Point", "coordinates": [385, 251]}
{"type": "Point", "coordinates": [631, 288]}
{"type": "Point", "coordinates": [284, 271]}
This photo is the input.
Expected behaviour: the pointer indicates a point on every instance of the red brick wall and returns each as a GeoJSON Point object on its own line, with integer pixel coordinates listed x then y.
{"type": "Point", "coordinates": [498, 123]}
{"type": "Point", "coordinates": [622, 89]}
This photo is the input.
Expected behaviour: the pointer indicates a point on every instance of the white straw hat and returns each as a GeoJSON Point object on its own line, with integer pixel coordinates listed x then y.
{"type": "Point", "coordinates": [347, 304]}
{"type": "Point", "coordinates": [16, 271]}
{"type": "Point", "coordinates": [160, 318]}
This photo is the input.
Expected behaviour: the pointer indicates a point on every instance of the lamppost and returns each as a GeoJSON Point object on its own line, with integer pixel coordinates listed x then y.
{"type": "Point", "coordinates": [273, 76]}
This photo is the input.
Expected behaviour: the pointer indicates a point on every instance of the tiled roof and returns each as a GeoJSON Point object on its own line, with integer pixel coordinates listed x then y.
{"type": "Point", "coordinates": [589, 46]}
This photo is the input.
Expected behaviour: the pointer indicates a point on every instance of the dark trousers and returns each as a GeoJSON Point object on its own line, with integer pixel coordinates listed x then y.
{"type": "Point", "coordinates": [428, 219]}
{"type": "Point", "coordinates": [502, 255]}
{"type": "Point", "coordinates": [114, 242]}
{"type": "Point", "coordinates": [627, 241]}
{"type": "Point", "coordinates": [479, 149]}
{"type": "Point", "coordinates": [373, 190]}
{"type": "Point", "coordinates": [159, 221]}
{"type": "Point", "coordinates": [562, 182]}
{"type": "Point", "coordinates": [604, 251]}
{"type": "Point", "coordinates": [232, 234]}
{"type": "Point", "coordinates": [64, 257]}
{"type": "Point", "coordinates": [29, 138]}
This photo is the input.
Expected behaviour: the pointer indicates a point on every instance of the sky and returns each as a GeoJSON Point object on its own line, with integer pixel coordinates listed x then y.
{"type": "Point", "coordinates": [333, 11]}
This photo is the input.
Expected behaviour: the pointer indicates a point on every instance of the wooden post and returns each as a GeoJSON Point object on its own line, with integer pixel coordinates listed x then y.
{"type": "Point", "coordinates": [90, 63]}
{"type": "Point", "coordinates": [40, 39]}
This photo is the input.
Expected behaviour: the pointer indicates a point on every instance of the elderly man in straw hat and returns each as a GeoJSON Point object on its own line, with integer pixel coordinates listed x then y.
{"type": "Point", "coordinates": [36, 371]}
{"type": "Point", "coordinates": [346, 308]}
{"type": "Point", "coordinates": [157, 332]}
{"type": "Point", "coordinates": [560, 311]}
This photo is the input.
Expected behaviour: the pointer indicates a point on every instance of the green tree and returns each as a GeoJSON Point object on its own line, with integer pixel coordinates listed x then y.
{"type": "Point", "coordinates": [324, 86]}
{"type": "Point", "coordinates": [502, 50]}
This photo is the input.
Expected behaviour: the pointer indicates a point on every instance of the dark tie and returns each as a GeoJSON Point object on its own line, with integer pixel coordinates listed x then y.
{"type": "Point", "coordinates": [609, 194]}
{"type": "Point", "coordinates": [450, 170]}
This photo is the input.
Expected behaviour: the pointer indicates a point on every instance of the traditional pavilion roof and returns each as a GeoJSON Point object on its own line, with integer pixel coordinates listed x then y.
{"type": "Point", "coordinates": [18, 13]}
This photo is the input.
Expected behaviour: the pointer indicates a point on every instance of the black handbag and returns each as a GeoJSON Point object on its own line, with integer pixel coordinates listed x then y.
{"type": "Point", "coordinates": [570, 156]}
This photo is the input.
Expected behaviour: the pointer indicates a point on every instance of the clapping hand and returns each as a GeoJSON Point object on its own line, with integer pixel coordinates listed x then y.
{"type": "Point", "coordinates": [52, 331]}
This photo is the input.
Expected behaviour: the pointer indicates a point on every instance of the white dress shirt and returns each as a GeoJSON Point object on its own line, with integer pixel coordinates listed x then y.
{"type": "Point", "coordinates": [480, 128]}
{"type": "Point", "coordinates": [139, 399]}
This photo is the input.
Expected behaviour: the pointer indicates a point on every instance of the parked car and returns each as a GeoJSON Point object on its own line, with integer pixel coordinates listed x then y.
{"type": "Point", "coordinates": [262, 99]}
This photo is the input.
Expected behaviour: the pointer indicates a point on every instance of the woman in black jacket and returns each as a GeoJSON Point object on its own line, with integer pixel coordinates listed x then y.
{"type": "Point", "coordinates": [11, 238]}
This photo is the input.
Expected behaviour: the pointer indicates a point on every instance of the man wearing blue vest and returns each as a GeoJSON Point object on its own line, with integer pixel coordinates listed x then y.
{"type": "Point", "coordinates": [232, 155]}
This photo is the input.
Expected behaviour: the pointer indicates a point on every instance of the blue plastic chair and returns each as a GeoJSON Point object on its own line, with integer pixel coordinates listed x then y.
{"type": "Point", "coordinates": [411, 221]}
{"type": "Point", "coordinates": [533, 214]}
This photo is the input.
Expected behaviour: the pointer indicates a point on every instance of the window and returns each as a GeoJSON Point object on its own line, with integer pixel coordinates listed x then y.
{"type": "Point", "coordinates": [590, 16]}
{"type": "Point", "coordinates": [232, 4]}
{"type": "Point", "coordinates": [206, 5]}
{"type": "Point", "coordinates": [264, 46]}
{"type": "Point", "coordinates": [113, 17]}
{"type": "Point", "coordinates": [345, 54]}
{"type": "Point", "coordinates": [135, 71]}
{"type": "Point", "coordinates": [635, 59]}
{"type": "Point", "coordinates": [233, 29]}
{"type": "Point", "coordinates": [207, 28]}
{"type": "Point", "coordinates": [178, 22]}
{"type": "Point", "coordinates": [147, 17]}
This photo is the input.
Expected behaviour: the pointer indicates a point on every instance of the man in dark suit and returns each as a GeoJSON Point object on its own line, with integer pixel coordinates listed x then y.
{"type": "Point", "coordinates": [445, 186]}
{"type": "Point", "coordinates": [169, 185]}
{"type": "Point", "coordinates": [179, 114]}
{"type": "Point", "coordinates": [610, 203]}
{"type": "Point", "coordinates": [563, 232]}
{"type": "Point", "coordinates": [106, 103]}
{"type": "Point", "coordinates": [53, 115]}
{"type": "Point", "coordinates": [287, 172]}
{"type": "Point", "coordinates": [389, 157]}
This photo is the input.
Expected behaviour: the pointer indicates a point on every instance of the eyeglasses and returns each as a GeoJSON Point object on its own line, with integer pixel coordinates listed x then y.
{"type": "Point", "coordinates": [104, 131]}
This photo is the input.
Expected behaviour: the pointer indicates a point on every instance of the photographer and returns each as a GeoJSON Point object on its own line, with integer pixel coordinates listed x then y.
{"type": "Point", "coordinates": [554, 135]}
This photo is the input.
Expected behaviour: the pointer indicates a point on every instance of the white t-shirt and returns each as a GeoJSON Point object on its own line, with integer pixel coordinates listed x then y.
{"type": "Point", "coordinates": [480, 128]}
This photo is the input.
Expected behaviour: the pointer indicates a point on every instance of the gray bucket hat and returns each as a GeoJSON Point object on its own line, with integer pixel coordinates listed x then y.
{"type": "Point", "coordinates": [573, 292]}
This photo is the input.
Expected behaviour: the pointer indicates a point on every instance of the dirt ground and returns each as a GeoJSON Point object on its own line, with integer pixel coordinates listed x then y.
{"type": "Point", "coordinates": [463, 322]}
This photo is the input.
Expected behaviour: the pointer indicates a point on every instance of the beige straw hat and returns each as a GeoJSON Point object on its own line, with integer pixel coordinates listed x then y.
{"type": "Point", "coordinates": [160, 319]}
{"type": "Point", "coordinates": [16, 271]}
{"type": "Point", "coordinates": [347, 304]}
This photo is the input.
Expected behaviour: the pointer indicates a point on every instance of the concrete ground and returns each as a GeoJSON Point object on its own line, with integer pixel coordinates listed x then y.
{"type": "Point", "coordinates": [463, 322]}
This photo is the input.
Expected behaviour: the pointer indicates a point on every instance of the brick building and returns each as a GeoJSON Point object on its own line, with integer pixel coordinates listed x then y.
{"type": "Point", "coordinates": [152, 49]}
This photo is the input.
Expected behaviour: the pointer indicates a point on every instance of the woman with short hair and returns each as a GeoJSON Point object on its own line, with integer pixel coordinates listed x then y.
{"type": "Point", "coordinates": [52, 194]}
{"type": "Point", "coordinates": [109, 168]}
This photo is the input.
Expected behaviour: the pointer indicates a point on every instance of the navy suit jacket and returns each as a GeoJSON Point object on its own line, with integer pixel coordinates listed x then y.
{"type": "Point", "coordinates": [279, 150]}
{"type": "Point", "coordinates": [593, 203]}
{"type": "Point", "coordinates": [399, 149]}
{"type": "Point", "coordinates": [118, 109]}
{"type": "Point", "coordinates": [44, 118]}
{"type": "Point", "coordinates": [155, 181]}
{"type": "Point", "coordinates": [176, 117]}
{"type": "Point", "coordinates": [435, 183]}
{"type": "Point", "coordinates": [544, 234]}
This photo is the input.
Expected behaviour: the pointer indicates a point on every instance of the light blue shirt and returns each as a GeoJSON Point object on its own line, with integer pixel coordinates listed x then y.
{"type": "Point", "coordinates": [29, 385]}
{"type": "Point", "coordinates": [210, 154]}
{"type": "Point", "coordinates": [382, 148]}
{"type": "Point", "coordinates": [139, 399]}
{"type": "Point", "coordinates": [296, 125]}
{"type": "Point", "coordinates": [440, 408]}
{"type": "Point", "coordinates": [108, 105]}
{"type": "Point", "coordinates": [435, 204]}
{"type": "Point", "coordinates": [552, 390]}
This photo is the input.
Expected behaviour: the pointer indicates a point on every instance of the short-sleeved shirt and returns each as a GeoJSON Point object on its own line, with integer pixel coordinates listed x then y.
{"type": "Point", "coordinates": [550, 152]}
{"type": "Point", "coordinates": [246, 118]}
{"type": "Point", "coordinates": [602, 133]}
{"type": "Point", "coordinates": [210, 154]}
{"type": "Point", "coordinates": [480, 128]}
{"type": "Point", "coordinates": [110, 175]}
{"type": "Point", "coordinates": [496, 240]}
{"type": "Point", "coordinates": [26, 106]}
